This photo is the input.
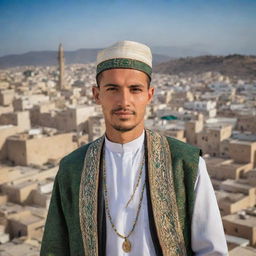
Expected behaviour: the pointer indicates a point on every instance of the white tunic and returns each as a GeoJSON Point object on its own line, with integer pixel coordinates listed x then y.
{"type": "Point", "coordinates": [122, 164]}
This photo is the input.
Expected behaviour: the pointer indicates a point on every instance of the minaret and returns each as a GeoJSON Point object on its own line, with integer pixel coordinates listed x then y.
{"type": "Point", "coordinates": [61, 67]}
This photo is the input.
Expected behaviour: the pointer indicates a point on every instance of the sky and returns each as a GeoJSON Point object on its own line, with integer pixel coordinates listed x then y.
{"type": "Point", "coordinates": [213, 26]}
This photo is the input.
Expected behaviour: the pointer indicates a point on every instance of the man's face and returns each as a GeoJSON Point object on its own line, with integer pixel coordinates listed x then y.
{"type": "Point", "coordinates": [123, 95]}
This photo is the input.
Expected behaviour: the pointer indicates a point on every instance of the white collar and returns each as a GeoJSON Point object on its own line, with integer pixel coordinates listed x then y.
{"type": "Point", "coordinates": [131, 146]}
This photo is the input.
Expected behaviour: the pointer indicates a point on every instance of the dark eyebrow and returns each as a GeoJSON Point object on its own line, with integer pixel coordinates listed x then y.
{"type": "Point", "coordinates": [111, 85]}
{"type": "Point", "coordinates": [130, 86]}
{"type": "Point", "coordinates": [136, 85]}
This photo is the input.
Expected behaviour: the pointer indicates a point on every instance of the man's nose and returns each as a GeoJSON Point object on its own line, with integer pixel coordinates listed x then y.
{"type": "Point", "coordinates": [124, 98]}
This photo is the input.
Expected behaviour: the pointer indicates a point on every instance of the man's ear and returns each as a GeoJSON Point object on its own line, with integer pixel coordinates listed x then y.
{"type": "Point", "coordinates": [151, 91]}
{"type": "Point", "coordinates": [96, 94]}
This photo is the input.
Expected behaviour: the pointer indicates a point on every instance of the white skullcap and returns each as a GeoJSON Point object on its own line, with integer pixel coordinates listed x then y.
{"type": "Point", "coordinates": [125, 54]}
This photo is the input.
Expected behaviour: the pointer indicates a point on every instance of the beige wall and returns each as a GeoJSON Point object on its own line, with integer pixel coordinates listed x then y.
{"type": "Point", "coordinates": [5, 132]}
{"type": "Point", "coordinates": [41, 149]}
{"type": "Point", "coordinates": [21, 226]}
{"type": "Point", "coordinates": [23, 120]}
{"type": "Point", "coordinates": [192, 129]}
{"type": "Point", "coordinates": [74, 119]}
{"type": "Point", "coordinates": [38, 150]}
{"type": "Point", "coordinates": [239, 230]}
{"type": "Point", "coordinates": [17, 150]}
{"type": "Point", "coordinates": [231, 206]}
{"type": "Point", "coordinates": [251, 177]}
{"type": "Point", "coordinates": [6, 97]}
{"type": "Point", "coordinates": [224, 149]}
{"type": "Point", "coordinates": [210, 139]}
{"type": "Point", "coordinates": [246, 123]}
{"type": "Point", "coordinates": [3, 200]}
{"type": "Point", "coordinates": [222, 170]}
{"type": "Point", "coordinates": [20, 119]}
{"type": "Point", "coordinates": [7, 109]}
{"type": "Point", "coordinates": [20, 193]}
{"type": "Point", "coordinates": [68, 120]}
{"type": "Point", "coordinates": [177, 134]}
{"type": "Point", "coordinates": [242, 152]}
{"type": "Point", "coordinates": [40, 199]}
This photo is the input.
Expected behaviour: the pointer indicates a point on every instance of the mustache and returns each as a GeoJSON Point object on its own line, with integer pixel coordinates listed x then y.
{"type": "Point", "coordinates": [123, 109]}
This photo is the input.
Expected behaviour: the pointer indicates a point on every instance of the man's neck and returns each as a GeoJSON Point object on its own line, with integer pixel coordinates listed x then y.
{"type": "Point", "coordinates": [123, 137]}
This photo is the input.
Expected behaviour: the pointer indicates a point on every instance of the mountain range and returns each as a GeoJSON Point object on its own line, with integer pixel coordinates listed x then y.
{"type": "Point", "coordinates": [241, 66]}
{"type": "Point", "coordinates": [49, 58]}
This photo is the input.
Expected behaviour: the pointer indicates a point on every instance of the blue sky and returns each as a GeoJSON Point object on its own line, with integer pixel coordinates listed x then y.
{"type": "Point", "coordinates": [214, 26]}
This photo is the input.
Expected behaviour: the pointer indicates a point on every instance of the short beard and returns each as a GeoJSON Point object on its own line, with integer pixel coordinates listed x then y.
{"type": "Point", "coordinates": [123, 129]}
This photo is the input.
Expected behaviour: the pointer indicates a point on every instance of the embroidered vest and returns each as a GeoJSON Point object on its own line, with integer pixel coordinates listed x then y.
{"type": "Point", "coordinates": [77, 199]}
{"type": "Point", "coordinates": [172, 170]}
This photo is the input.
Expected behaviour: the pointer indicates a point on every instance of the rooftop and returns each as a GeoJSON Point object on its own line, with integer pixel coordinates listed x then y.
{"type": "Point", "coordinates": [228, 197]}
{"type": "Point", "coordinates": [27, 218]}
{"type": "Point", "coordinates": [249, 221]}
{"type": "Point", "coordinates": [244, 137]}
{"type": "Point", "coordinates": [246, 251]}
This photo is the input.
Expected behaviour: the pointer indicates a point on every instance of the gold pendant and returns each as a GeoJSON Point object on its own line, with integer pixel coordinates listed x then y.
{"type": "Point", "coordinates": [127, 247]}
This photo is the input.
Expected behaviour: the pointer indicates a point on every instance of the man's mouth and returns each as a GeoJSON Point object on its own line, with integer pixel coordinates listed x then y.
{"type": "Point", "coordinates": [123, 112]}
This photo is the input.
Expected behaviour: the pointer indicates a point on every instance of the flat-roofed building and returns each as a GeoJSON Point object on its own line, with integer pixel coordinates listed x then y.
{"type": "Point", "coordinates": [8, 210]}
{"type": "Point", "coordinates": [11, 124]}
{"type": "Point", "coordinates": [251, 177]}
{"type": "Point", "coordinates": [234, 241]}
{"type": "Point", "coordinates": [175, 133]}
{"type": "Point", "coordinates": [246, 123]}
{"type": "Point", "coordinates": [20, 193]}
{"type": "Point", "coordinates": [210, 139]}
{"type": "Point", "coordinates": [243, 251]}
{"type": "Point", "coordinates": [18, 174]}
{"type": "Point", "coordinates": [6, 109]}
{"type": "Point", "coordinates": [19, 119]}
{"type": "Point", "coordinates": [243, 151]}
{"type": "Point", "coordinates": [238, 186]}
{"type": "Point", "coordinates": [20, 248]}
{"type": "Point", "coordinates": [26, 224]}
{"type": "Point", "coordinates": [222, 169]}
{"type": "Point", "coordinates": [230, 203]}
{"type": "Point", "coordinates": [244, 227]}
{"type": "Point", "coordinates": [74, 118]}
{"type": "Point", "coordinates": [192, 128]}
{"type": "Point", "coordinates": [24, 149]}
{"type": "Point", "coordinates": [235, 195]}
{"type": "Point", "coordinates": [6, 97]}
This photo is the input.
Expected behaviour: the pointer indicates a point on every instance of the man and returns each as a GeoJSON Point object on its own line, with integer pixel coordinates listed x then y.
{"type": "Point", "coordinates": [132, 191]}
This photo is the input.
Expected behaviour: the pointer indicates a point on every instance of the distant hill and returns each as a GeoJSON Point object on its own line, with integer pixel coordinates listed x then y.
{"type": "Point", "coordinates": [231, 65]}
{"type": "Point", "coordinates": [49, 58]}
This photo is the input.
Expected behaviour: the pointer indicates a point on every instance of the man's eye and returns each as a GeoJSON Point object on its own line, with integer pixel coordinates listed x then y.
{"type": "Point", "coordinates": [136, 89]}
{"type": "Point", "coordinates": [111, 89]}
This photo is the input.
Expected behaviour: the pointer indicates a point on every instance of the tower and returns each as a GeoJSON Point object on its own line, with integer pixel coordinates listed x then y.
{"type": "Point", "coordinates": [61, 67]}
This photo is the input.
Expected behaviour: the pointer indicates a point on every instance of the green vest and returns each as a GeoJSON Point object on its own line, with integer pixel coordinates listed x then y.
{"type": "Point", "coordinates": [73, 226]}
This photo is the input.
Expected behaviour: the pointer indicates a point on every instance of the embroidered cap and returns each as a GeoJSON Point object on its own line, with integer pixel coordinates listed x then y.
{"type": "Point", "coordinates": [125, 54]}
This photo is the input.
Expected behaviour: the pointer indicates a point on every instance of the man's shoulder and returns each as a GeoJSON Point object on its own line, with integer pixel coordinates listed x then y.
{"type": "Point", "coordinates": [178, 144]}
{"type": "Point", "coordinates": [75, 159]}
{"type": "Point", "coordinates": [187, 154]}
{"type": "Point", "coordinates": [180, 148]}
{"type": "Point", "coordinates": [75, 156]}
{"type": "Point", "coordinates": [177, 147]}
